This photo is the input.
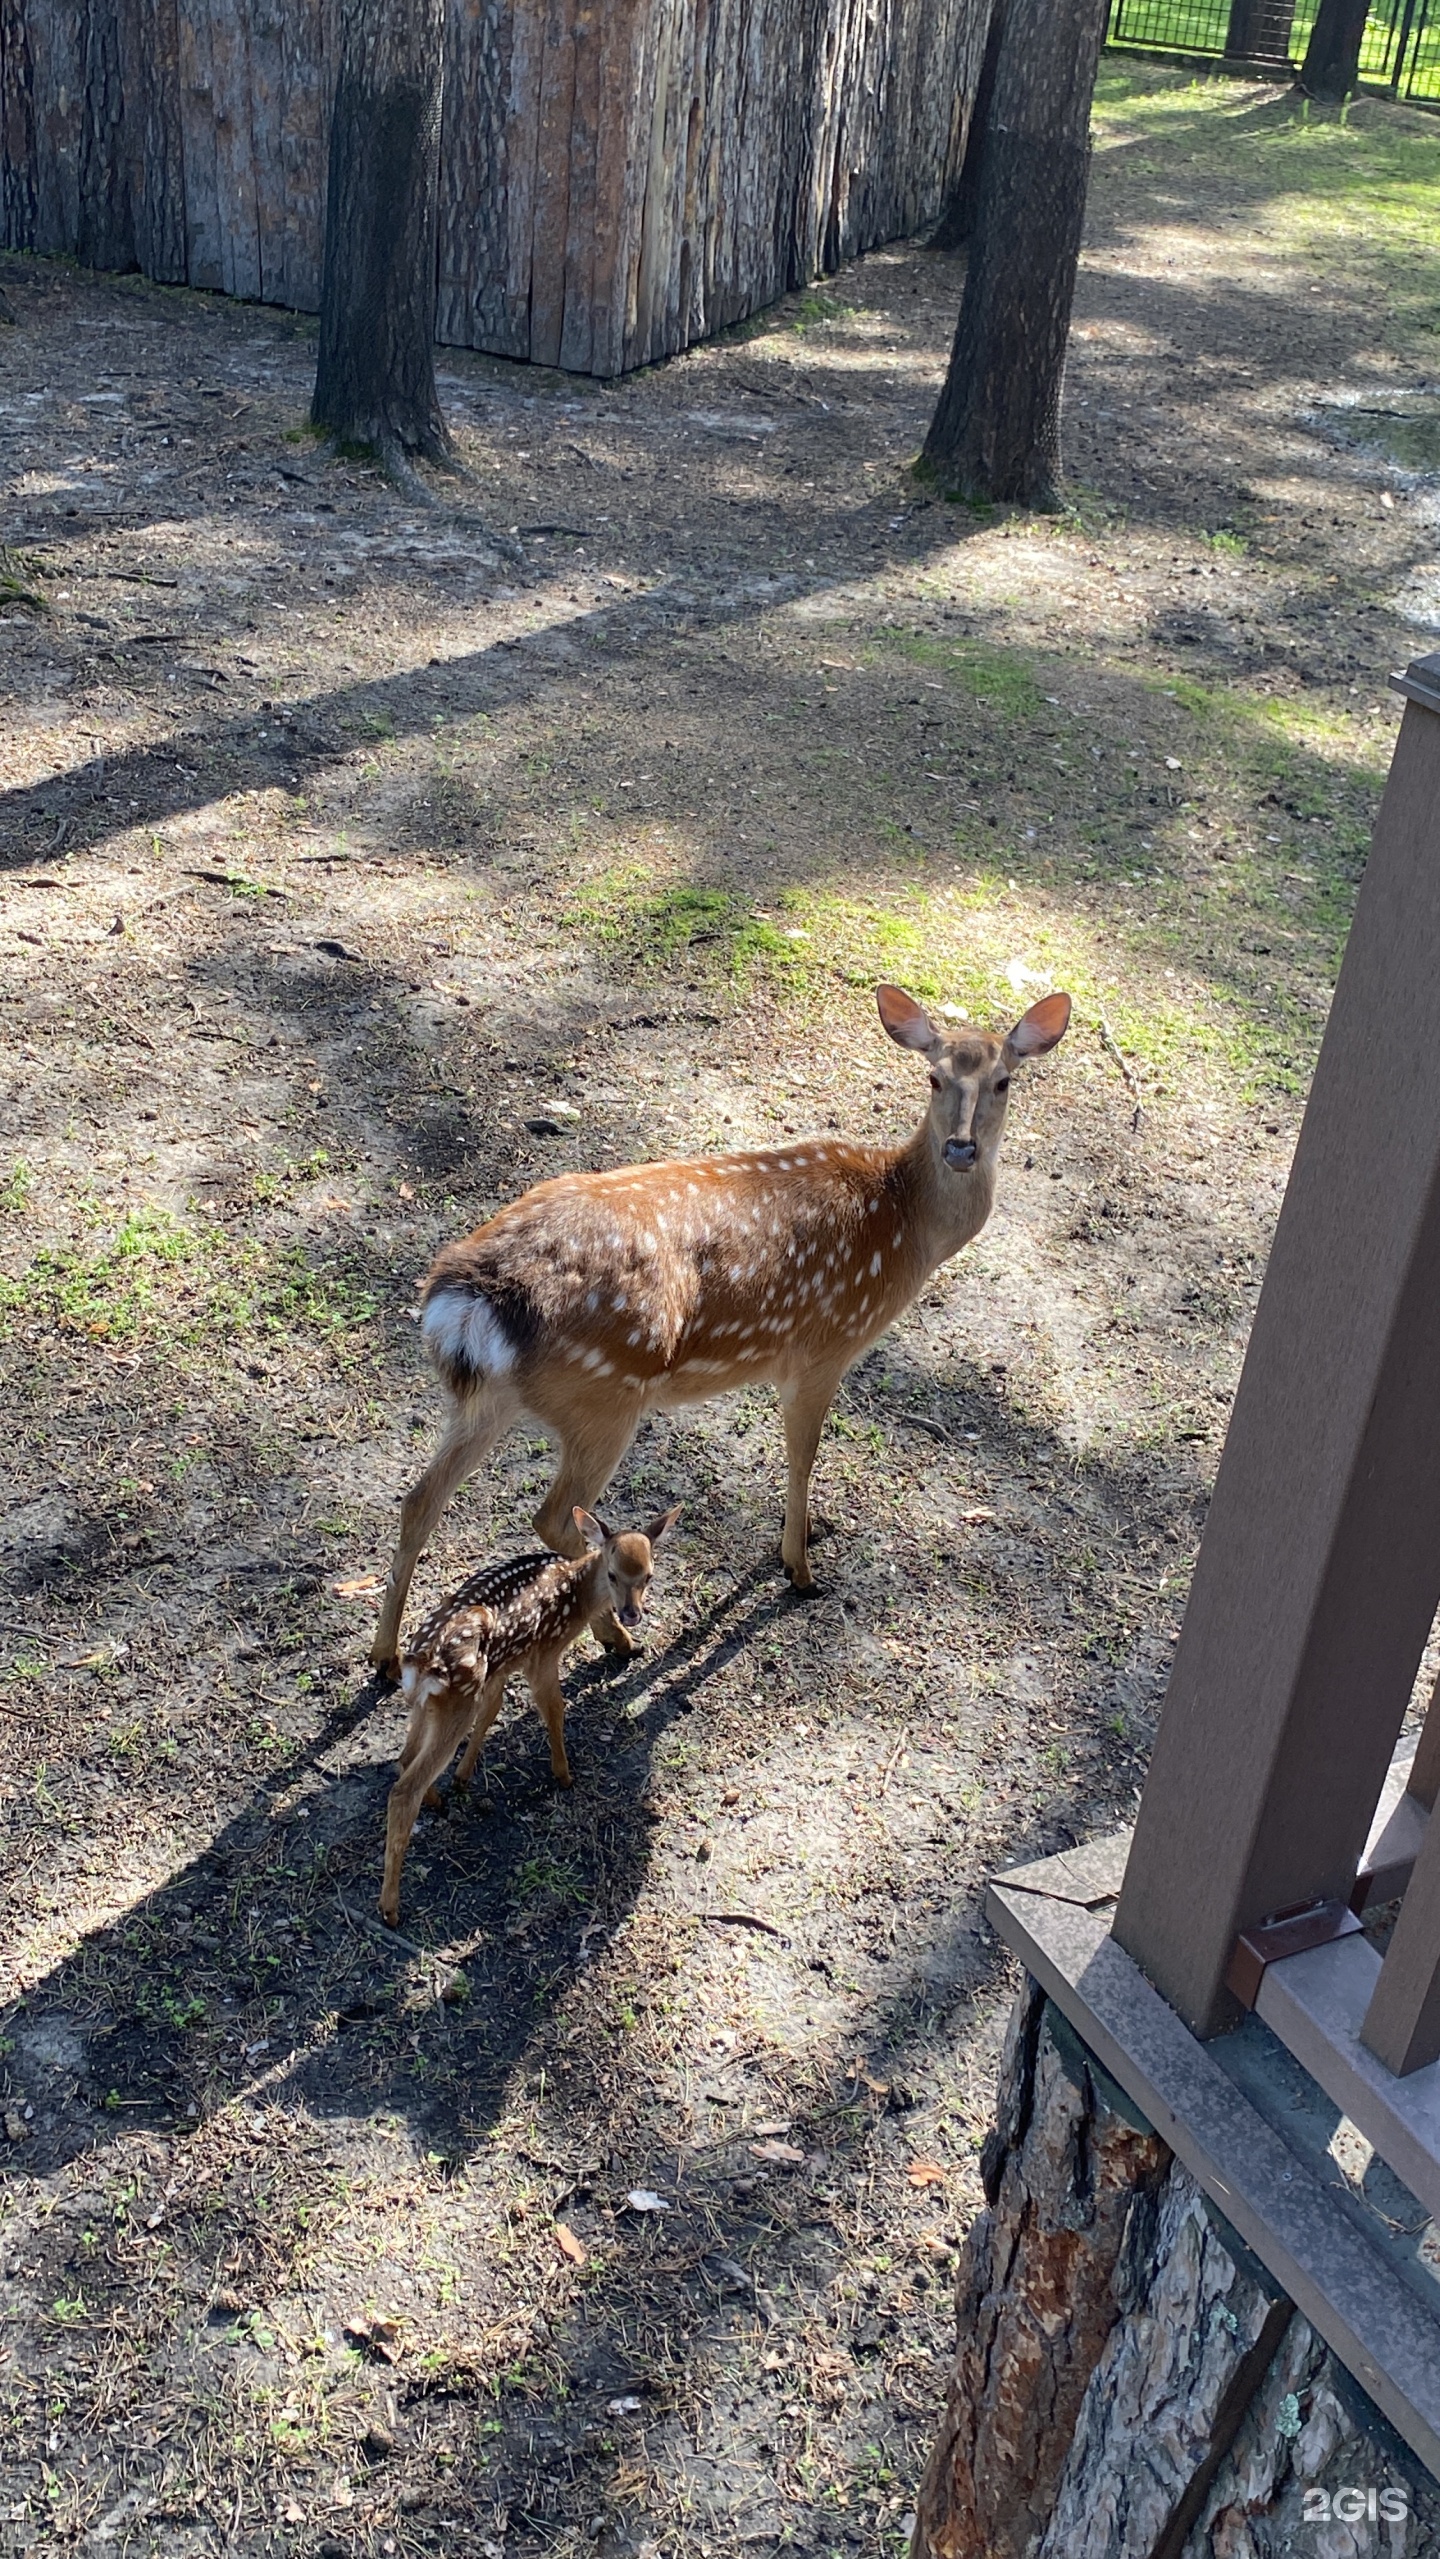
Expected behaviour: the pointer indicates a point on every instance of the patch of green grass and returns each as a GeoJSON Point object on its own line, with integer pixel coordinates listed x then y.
{"type": "Point", "coordinates": [1356, 194]}
{"type": "Point", "coordinates": [545, 1879]}
{"type": "Point", "coordinates": [651, 929]}
{"type": "Point", "coordinates": [813, 310]}
{"type": "Point", "coordinates": [158, 1278]}
{"type": "Point", "coordinates": [1230, 545]}
{"type": "Point", "coordinates": [18, 575]}
{"type": "Point", "coordinates": [16, 1189]}
{"type": "Point", "coordinates": [1004, 678]}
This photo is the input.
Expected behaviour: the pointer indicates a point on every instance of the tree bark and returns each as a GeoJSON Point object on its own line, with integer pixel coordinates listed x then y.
{"type": "Point", "coordinates": [1331, 68]}
{"type": "Point", "coordinates": [105, 233]}
{"type": "Point", "coordinates": [1129, 2382]}
{"type": "Point", "coordinates": [1071, 2188]}
{"type": "Point", "coordinates": [996, 431]}
{"type": "Point", "coordinates": [375, 377]}
{"type": "Point", "coordinates": [957, 222]}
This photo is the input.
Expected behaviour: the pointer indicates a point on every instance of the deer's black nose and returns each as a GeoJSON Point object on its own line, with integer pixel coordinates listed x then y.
{"type": "Point", "coordinates": [960, 1150]}
{"type": "Point", "coordinates": [630, 1614]}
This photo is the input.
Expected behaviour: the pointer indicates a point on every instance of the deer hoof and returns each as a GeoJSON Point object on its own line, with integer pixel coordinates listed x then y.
{"type": "Point", "coordinates": [386, 1667]}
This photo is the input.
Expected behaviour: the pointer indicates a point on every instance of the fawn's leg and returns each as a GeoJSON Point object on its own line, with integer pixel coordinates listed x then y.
{"type": "Point", "coordinates": [492, 1698]}
{"type": "Point", "coordinates": [549, 1696]}
{"type": "Point", "coordinates": [804, 1406]}
{"type": "Point", "coordinates": [474, 1429]}
{"type": "Point", "coordinates": [443, 1723]}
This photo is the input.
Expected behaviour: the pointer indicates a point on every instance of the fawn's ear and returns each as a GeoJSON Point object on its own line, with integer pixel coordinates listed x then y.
{"type": "Point", "coordinates": [593, 1530]}
{"type": "Point", "coordinates": [662, 1526]}
{"type": "Point", "coordinates": [907, 1022]}
{"type": "Point", "coordinates": [1044, 1026]}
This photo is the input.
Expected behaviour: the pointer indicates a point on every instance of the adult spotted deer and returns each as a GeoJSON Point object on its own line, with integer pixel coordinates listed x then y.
{"type": "Point", "coordinates": [598, 1296]}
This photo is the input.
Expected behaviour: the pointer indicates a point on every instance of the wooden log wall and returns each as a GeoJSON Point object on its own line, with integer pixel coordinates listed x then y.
{"type": "Point", "coordinates": [617, 181]}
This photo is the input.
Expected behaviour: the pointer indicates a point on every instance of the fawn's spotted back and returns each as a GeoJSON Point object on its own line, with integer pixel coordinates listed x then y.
{"type": "Point", "coordinates": [503, 1612]}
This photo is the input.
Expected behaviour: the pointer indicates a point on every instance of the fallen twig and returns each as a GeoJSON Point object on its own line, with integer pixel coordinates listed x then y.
{"type": "Point", "coordinates": [745, 1919]}
{"type": "Point", "coordinates": [387, 1936]}
{"type": "Point", "coordinates": [1109, 1042]}
{"type": "Point", "coordinates": [892, 1763]}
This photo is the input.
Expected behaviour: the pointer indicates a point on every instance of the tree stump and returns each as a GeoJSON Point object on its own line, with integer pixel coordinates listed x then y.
{"type": "Point", "coordinates": [1129, 2383]}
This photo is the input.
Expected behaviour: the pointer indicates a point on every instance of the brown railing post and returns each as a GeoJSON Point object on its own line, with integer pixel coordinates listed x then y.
{"type": "Point", "coordinates": [1402, 2022]}
{"type": "Point", "coordinates": [1320, 1568]}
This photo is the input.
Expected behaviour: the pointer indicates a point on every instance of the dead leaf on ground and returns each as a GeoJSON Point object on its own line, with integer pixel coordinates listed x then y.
{"type": "Point", "coordinates": [783, 2152]}
{"type": "Point", "coordinates": [926, 2172]}
{"type": "Point", "coordinates": [769, 2132]}
{"type": "Point", "coordinates": [644, 2199]}
{"type": "Point", "coordinates": [569, 2245]}
{"type": "Point", "coordinates": [359, 1588]}
{"type": "Point", "coordinates": [877, 2087]}
{"type": "Point", "coordinates": [974, 1518]}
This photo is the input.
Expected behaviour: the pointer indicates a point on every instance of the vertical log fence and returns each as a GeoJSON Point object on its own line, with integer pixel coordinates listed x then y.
{"type": "Point", "coordinates": [616, 182]}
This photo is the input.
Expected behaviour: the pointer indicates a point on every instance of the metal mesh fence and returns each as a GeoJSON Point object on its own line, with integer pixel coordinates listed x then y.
{"type": "Point", "coordinates": [1401, 51]}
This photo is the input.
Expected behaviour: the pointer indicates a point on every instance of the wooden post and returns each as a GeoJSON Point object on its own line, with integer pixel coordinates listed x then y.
{"type": "Point", "coordinates": [1402, 2022]}
{"type": "Point", "coordinates": [1320, 1568]}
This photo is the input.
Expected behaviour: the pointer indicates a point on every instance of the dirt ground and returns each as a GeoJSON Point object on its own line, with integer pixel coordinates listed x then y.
{"type": "Point", "coordinates": [363, 864]}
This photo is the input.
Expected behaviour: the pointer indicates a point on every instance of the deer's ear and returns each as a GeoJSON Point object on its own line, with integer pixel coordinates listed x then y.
{"type": "Point", "coordinates": [907, 1022]}
{"type": "Point", "coordinates": [1044, 1026]}
{"type": "Point", "coordinates": [593, 1530]}
{"type": "Point", "coordinates": [662, 1526]}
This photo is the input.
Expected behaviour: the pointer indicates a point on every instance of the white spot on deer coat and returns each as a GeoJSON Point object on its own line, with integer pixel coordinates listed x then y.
{"type": "Point", "coordinates": [874, 1265]}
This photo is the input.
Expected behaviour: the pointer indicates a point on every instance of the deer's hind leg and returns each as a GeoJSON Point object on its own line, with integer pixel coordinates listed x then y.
{"type": "Point", "coordinates": [595, 1429]}
{"type": "Point", "coordinates": [475, 1426]}
{"type": "Point", "coordinates": [436, 1731]}
{"type": "Point", "coordinates": [492, 1698]}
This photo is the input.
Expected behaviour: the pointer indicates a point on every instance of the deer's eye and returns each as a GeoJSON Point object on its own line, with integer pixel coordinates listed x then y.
{"type": "Point", "coordinates": [1003, 1085]}
{"type": "Point", "coordinates": [935, 1083]}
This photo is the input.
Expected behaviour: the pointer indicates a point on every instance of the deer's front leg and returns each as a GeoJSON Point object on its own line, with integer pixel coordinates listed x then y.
{"type": "Point", "coordinates": [549, 1696]}
{"type": "Point", "coordinates": [804, 1404]}
{"type": "Point", "coordinates": [594, 1436]}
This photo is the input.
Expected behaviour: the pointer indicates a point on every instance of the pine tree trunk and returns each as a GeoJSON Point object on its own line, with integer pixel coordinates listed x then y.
{"type": "Point", "coordinates": [1129, 2382]}
{"type": "Point", "coordinates": [105, 234]}
{"type": "Point", "coordinates": [1331, 68]}
{"type": "Point", "coordinates": [957, 222]}
{"type": "Point", "coordinates": [996, 431]}
{"type": "Point", "coordinates": [375, 377]}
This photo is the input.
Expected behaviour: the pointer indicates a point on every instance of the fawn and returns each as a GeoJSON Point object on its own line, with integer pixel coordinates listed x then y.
{"type": "Point", "coordinates": [599, 1295]}
{"type": "Point", "coordinates": [520, 1615]}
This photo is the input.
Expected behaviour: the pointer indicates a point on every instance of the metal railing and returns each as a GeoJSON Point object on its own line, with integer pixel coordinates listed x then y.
{"type": "Point", "coordinates": [1400, 53]}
